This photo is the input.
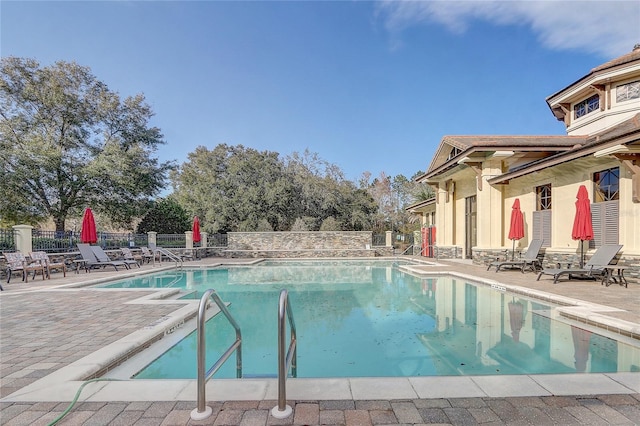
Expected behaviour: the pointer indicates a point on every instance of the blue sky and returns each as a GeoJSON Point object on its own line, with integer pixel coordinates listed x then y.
{"type": "Point", "coordinates": [369, 86]}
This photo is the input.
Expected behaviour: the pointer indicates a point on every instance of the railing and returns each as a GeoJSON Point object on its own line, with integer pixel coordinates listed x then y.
{"type": "Point", "coordinates": [203, 411]}
{"type": "Point", "coordinates": [282, 410]}
{"type": "Point", "coordinates": [171, 240]}
{"type": "Point", "coordinates": [7, 240]}
{"type": "Point", "coordinates": [217, 240]}
{"type": "Point", "coordinates": [64, 241]}
{"type": "Point", "coordinates": [378, 240]}
{"type": "Point", "coordinates": [164, 252]}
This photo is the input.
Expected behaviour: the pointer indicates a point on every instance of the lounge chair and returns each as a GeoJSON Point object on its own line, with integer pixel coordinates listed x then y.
{"type": "Point", "coordinates": [43, 257]}
{"type": "Point", "coordinates": [528, 260]}
{"type": "Point", "coordinates": [90, 260]}
{"type": "Point", "coordinates": [593, 268]}
{"type": "Point", "coordinates": [147, 254]}
{"type": "Point", "coordinates": [17, 262]}
{"type": "Point", "coordinates": [131, 257]}
{"type": "Point", "coordinates": [102, 256]}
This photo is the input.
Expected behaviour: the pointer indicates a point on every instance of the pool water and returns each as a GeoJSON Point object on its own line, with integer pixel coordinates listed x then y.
{"type": "Point", "coordinates": [370, 319]}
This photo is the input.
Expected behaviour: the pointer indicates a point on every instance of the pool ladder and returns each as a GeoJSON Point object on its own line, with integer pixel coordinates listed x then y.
{"type": "Point", "coordinates": [280, 411]}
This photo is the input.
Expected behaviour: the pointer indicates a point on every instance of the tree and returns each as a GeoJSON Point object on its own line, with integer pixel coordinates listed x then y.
{"type": "Point", "coordinates": [322, 192]}
{"type": "Point", "coordinates": [165, 216]}
{"type": "Point", "coordinates": [67, 142]}
{"type": "Point", "coordinates": [234, 188]}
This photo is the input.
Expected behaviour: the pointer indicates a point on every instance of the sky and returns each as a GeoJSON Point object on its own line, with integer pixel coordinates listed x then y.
{"type": "Point", "coordinates": [368, 86]}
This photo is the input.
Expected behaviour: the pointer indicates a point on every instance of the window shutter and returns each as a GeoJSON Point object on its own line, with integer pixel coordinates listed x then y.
{"type": "Point", "coordinates": [542, 227]}
{"type": "Point", "coordinates": [604, 217]}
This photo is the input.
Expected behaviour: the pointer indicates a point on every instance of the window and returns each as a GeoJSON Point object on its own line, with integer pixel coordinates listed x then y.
{"type": "Point", "coordinates": [605, 210]}
{"type": "Point", "coordinates": [542, 216]}
{"type": "Point", "coordinates": [588, 105]}
{"type": "Point", "coordinates": [628, 91]}
{"type": "Point", "coordinates": [543, 197]}
{"type": "Point", "coordinates": [454, 153]}
{"type": "Point", "coordinates": [605, 185]}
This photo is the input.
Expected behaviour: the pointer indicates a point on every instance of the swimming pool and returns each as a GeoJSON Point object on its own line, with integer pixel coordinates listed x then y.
{"type": "Point", "coordinates": [370, 319]}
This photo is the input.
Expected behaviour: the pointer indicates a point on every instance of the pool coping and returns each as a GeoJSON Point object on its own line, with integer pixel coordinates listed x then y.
{"type": "Point", "coordinates": [63, 384]}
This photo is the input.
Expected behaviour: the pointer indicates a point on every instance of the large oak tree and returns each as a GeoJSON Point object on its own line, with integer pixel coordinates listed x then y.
{"type": "Point", "coordinates": [68, 142]}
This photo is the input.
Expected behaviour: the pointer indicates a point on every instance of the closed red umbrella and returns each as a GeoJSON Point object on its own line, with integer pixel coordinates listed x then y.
{"type": "Point", "coordinates": [516, 228]}
{"type": "Point", "coordinates": [88, 232]}
{"type": "Point", "coordinates": [196, 230]}
{"type": "Point", "coordinates": [582, 226]}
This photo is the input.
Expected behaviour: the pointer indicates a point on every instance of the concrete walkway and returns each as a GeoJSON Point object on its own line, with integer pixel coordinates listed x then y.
{"type": "Point", "coordinates": [49, 329]}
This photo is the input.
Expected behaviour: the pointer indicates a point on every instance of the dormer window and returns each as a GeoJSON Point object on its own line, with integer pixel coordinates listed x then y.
{"type": "Point", "coordinates": [588, 105]}
{"type": "Point", "coordinates": [626, 92]}
{"type": "Point", "coordinates": [454, 153]}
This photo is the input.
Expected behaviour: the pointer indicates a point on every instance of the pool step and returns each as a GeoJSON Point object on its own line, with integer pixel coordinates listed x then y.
{"type": "Point", "coordinates": [259, 376]}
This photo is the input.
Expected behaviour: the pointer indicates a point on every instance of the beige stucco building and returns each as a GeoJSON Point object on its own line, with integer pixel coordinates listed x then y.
{"type": "Point", "coordinates": [478, 178]}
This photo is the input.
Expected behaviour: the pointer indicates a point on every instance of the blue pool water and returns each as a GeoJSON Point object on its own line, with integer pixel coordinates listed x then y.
{"type": "Point", "coordinates": [369, 318]}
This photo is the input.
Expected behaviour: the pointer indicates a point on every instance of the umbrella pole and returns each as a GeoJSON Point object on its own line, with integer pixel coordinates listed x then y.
{"type": "Point", "coordinates": [513, 250]}
{"type": "Point", "coordinates": [581, 254]}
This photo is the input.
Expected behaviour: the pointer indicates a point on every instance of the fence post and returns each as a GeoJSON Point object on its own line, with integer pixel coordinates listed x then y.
{"type": "Point", "coordinates": [203, 240]}
{"type": "Point", "coordinates": [23, 235]}
{"type": "Point", "coordinates": [151, 238]}
{"type": "Point", "coordinates": [188, 236]}
{"type": "Point", "coordinates": [389, 238]}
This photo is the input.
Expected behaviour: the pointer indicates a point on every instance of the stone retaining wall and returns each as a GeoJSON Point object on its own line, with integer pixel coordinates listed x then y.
{"type": "Point", "coordinates": [300, 244]}
{"type": "Point", "coordinates": [551, 259]}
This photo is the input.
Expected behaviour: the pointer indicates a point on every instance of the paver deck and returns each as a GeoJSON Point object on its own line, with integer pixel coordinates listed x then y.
{"type": "Point", "coordinates": [48, 325]}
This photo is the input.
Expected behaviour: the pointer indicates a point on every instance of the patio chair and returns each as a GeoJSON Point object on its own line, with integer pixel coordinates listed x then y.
{"type": "Point", "coordinates": [48, 264]}
{"type": "Point", "coordinates": [102, 256]}
{"type": "Point", "coordinates": [90, 260]}
{"type": "Point", "coordinates": [528, 260]}
{"type": "Point", "coordinates": [18, 262]}
{"type": "Point", "coordinates": [603, 257]}
{"type": "Point", "coordinates": [130, 256]}
{"type": "Point", "coordinates": [146, 254]}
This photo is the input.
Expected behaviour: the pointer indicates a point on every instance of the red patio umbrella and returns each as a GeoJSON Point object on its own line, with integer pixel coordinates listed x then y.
{"type": "Point", "coordinates": [582, 227]}
{"type": "Point", "coordinates": [88, 232]}
{"type": "Point", "coordinates": [196, 230]}
{"type": "Point", "coordinates": [516, 228]}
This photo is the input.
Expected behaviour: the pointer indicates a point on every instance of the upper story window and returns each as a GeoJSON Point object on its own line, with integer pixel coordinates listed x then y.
{"type": "Point", "coordinates": [454, 152]}
{"type": "Point", "coordinates": [628, 91]}
{"type": "Point", "coordinates": [588, 105]}
{"type": "Point", "coordinates": [606, 185]}
{"type": "Point", "coordinates": [543, 197]}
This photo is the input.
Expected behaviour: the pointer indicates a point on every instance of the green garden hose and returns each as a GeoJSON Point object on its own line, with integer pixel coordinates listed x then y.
{"type": "Point", "coordinates": [75, 398]}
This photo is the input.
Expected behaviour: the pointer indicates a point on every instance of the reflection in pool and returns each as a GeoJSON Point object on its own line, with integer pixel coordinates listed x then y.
{"type": "Point", "coordinates": [370, 319]}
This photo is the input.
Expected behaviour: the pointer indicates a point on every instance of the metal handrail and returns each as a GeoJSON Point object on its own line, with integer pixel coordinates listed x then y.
{"type": "Point", "coordinates": [408, 248]}
{"type": "Point", "coordinates": [283, 410]}
{"type": "Point", "coordinates": [203, 411]}
{"type": "Point", "coordinates": [167, 253]}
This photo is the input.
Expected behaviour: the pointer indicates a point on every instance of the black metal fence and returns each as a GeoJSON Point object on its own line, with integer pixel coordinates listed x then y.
{"type": "Point", "coordinates": [378, 240]}
{"type": "Point", "coordinates": [65, 241]}
{"type": "Point", "coordinates": [7, 241]}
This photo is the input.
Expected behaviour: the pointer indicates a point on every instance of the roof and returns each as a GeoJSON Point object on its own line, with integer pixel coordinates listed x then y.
{"type": "Point", "coordinates": [489, 144]}
{"type": "Point", "coordinates": [632, 56]}
{"type": "Point", "coordinates": [627, 132]}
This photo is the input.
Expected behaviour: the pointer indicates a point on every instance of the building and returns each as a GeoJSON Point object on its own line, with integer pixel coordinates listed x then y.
{"type": "Point", "coordinates": [478, 178]}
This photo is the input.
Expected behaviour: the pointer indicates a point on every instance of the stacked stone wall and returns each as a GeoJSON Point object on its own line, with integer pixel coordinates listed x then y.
{"type": "Point", "coordinates": [301, 244]}
{"type": "Point", "coordinates": [551, 259]}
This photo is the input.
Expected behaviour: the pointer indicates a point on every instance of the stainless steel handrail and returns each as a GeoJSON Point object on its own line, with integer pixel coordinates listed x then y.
{"type": "Point", "coordinates": [167, 253]}
{"type": "Point", "coordinates": [283, 410]}
{"type": "Point", "coordinates": [203, 411]}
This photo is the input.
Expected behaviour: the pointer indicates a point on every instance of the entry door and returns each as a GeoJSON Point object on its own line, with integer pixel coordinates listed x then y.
{"type": "Point", "coordinates": [471, 228]}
